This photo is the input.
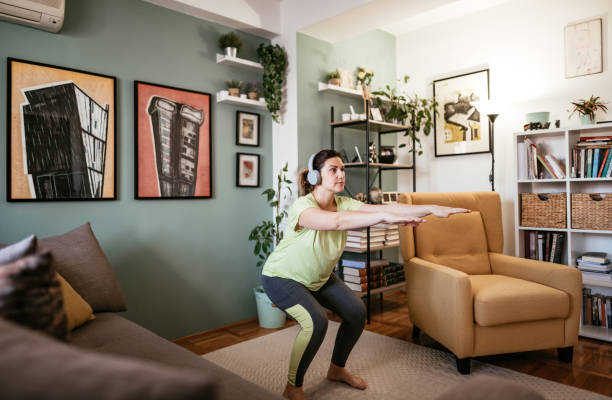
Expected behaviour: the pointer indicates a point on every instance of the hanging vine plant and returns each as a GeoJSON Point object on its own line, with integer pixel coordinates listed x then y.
{"type": "Point", "coordinates": [274, 61]}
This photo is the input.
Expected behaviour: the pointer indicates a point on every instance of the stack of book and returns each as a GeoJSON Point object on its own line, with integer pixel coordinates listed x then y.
{"type": "Point", "coordinates": [392, 274]}
{"type": "Point", "coordinates": [355, 276]}
{"type": "Point", "coordinates": [533, 164]}
{"type": "Point", "coordinates": [596, 309]}
{"type": "Point", "coordinates": [380, 236]}
{"type": "Point", "coordinates": [544, 246]}
{"type": "Point", "coordinates": [595, 266]}
{"type": "Point", "coordinates": [591, 157]}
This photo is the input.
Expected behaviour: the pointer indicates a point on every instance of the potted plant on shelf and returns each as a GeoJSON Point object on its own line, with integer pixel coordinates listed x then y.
{"type": "Point", "coordinates": [419, 113]}
{"type": "Point", "coordinates": [233, 87]}
{"type": "Point", "coordinates": [230, 43]}
{"type": "Point", "coordinates": [252, 89]}
{"type": "Point", "coordinates": [586, 109]}
{"type": "Point", "coordinates": [333, 78]}
{"type": "Point", "coordinates": [274, 61]}
{"type": "Point", "coordinates": [266, 236]}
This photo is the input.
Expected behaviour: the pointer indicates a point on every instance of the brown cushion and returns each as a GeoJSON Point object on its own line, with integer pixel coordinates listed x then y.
{"type": "Point", "coordinates": [77, 256]}
{"type": "Point", "coordinates": [34, 367]}
{"type": "Point", "coordinates": [30, 295]}
{"type": "Point", "coordinates": [15, 251]}
{"type": "Point", "coordinates": [487, 388]}
{"type": "Point", "coordinates": [500, 299]}
{"type": "Point", "coordinates": [458, 241]}
{"type": "Point", "coordinates": [77, 310]}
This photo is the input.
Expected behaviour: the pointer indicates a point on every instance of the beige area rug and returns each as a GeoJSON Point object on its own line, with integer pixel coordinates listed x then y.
{"type": "Point", "coordinates": [393, 368]}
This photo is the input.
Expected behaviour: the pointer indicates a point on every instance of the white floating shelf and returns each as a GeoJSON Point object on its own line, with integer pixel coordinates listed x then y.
{"type": "Point", "coordinates": [327, 88]}
{"type": "Point", "coordinates": [239, 101]}
{"type": "Point", "coordinates": [239, 62]}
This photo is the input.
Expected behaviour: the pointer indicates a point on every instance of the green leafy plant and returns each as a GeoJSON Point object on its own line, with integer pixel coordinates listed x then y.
{"type": "Point", "coordinates": [419, 113]}
{"type": "Point", "coordinates": [252, 87]}
{"type": "Point", "coordinates": [333, 75]}
{"type": "Point", "coordinates": [588, 107]}
{"type": "Point", "coordinates": [231, 84]}
{"type": "Point", "coordinates": [268, 234]}
{"type": "Point", "coordinates": [230, 40]}
{"type": "Point", "coordinates": [274, 60]}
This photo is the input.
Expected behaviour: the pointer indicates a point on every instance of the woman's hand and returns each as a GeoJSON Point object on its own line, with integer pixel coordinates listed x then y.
{"type": "Point", "coordinates": [445, 212]}
{"type": "Point", "coordinates": [402, 219]}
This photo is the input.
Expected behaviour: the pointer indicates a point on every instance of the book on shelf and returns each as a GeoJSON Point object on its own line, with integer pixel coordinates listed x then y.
{"type": "Point", "coordinates": [359, 263]}
{"type": "Point", "coordinates": [521, 152]}
{"type": "Point", "coordinates": [557, 166]}
{"type": "Point", "coordinates": [544, 246]}
{"type": "Point", "coordinates": [591, 158]}
{"type": "Point", "coordinates": [595, 257]}
{"type": "Point", "coordinates": [532, 159]}
{"type": "Point", "coordinates": [362, 287]}
{"type": "Point", "coordinates": [361, 278]}
{"type": "Point", "coordinates": [361, 272]}
{"type": "Point", "coordinates": [362, 234]}
{"type": "Point", "coordinates": [596, 309]}
{"type": "Point", "coordinates": [354, 240]}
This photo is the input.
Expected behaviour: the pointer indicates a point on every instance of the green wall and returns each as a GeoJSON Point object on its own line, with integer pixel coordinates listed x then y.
{"type": "Point", "coordinates": [185, 266]}
{"type": "Point", "coordinates": [373, 50]}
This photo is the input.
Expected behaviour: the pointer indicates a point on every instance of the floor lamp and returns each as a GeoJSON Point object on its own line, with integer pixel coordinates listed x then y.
{"type": "Point", "coordinates": [492, 118]}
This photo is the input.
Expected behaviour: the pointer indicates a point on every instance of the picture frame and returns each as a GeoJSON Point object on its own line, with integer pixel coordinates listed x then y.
{"type": "Point", "coordinates": [459, 127]}
{"type": "Point", "coordinates": [79, 107]}
{"type": "Point", "coordinates": [376, 115]}
{"type": "Point", "coordinates": [247, 170]}
{"type": "Point", "coordinates": [583, 48]}
{"type": "Point", "coordinates": [247, 129]}
{"type": "Point", "coordinates": [172, 143]}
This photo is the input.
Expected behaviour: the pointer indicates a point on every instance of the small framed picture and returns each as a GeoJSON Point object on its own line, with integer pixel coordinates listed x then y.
{"type": "Point", "coordinates": [376, 115]}
{"type": "Point", "coordinates": [247, 170]}
{"type": "Point", "coordinates": [247, 129]}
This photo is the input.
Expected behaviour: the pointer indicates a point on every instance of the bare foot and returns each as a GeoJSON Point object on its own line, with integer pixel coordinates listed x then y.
{"type": "Point", "coordinates": [293, 392]}
{"type": "Point", "coordinates": [339, 374]}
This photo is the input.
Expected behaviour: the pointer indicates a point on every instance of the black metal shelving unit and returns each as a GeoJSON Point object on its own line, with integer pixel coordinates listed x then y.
{"type": "Point", "coordinates": [367, 126]}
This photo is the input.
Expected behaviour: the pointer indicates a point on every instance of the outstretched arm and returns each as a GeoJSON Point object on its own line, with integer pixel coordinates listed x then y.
{"type": "Point", "coordinates": [321, 220]}
{"type": "Point", "coordinates": [413, 210]}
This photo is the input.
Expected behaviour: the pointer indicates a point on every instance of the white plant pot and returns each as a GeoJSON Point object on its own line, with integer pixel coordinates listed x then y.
{"type": "Point", "coordinates": [231, 51]}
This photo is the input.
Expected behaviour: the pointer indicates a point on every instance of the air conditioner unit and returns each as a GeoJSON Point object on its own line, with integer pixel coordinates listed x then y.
{"type": "Point", "coordinates": [47, 15]}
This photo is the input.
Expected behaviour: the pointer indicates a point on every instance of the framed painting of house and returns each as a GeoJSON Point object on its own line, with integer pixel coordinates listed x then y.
{"type": "Point", "coordinates": [61, 131]}
{"type": "Point", "coordinates": [172, 142]}
{"type": "Point", "coordinates": [459, 126]}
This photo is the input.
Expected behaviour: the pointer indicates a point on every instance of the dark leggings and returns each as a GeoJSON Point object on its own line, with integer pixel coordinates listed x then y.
{"type": "Point", "coordinates": [307, 308]}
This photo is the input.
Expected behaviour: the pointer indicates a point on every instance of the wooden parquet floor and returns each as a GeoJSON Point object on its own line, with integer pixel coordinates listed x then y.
{"type": "Point", "coordinates": [591, 369]}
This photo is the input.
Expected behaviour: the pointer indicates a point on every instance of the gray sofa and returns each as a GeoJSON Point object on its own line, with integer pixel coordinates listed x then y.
{"type": "Point", "coordinates": [108, 357]}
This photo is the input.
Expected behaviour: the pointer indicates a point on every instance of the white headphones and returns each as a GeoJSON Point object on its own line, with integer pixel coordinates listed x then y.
{"type": "Point", "coordinates": [314, 176]}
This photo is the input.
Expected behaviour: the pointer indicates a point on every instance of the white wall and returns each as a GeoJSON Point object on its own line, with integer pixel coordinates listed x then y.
{"type": "Point", "coordinates": [522, 42]}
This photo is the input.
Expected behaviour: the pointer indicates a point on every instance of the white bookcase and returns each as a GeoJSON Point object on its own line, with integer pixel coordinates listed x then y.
{"type": "Point", "coordinates": [560, 143]}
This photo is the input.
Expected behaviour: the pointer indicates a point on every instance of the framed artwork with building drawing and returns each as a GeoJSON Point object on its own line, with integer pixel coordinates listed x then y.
{"type": "Point", "coordinates": [459, 127]}
{"type": "Point", "coordinates": [172, 142]}
{"type": "Point", "coordinates": [60, 133]}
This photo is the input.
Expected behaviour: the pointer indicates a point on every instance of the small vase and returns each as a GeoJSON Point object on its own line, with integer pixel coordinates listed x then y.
{"type": "Point", "coordinates": [253, 95]}
{"type": "Point", "coordinates": [334, 81]}
{"type": "Point", "coordinates": [231, 51]}
{"type": "Point", "coordinates": [234, 92]}
{"type": "Point", "coordinates": [585, 119]}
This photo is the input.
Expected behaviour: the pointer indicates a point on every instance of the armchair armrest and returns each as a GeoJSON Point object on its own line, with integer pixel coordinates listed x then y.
{"type": "Point", "coordinates": [561, 277]}
{"type": "Point", "coordinates": [441, 304]}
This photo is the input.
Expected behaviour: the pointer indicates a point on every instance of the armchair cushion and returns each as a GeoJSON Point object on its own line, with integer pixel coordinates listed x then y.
{"type": "Point", "coordinates": [459, 242]}
{"type": "Point", "coordinates": [500, 299]}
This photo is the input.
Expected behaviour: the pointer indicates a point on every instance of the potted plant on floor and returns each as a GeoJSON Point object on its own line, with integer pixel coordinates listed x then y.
{"type": "Point", "coordinates": [586, 109]}
{"type": "Point", "coordinates": [333, 78]}
{"type": "Point", "coordinates": [266, 236]}
{"type": "Point", "coordinates": [252, 89]}
{"type": "Point", "coordinates": [274, 61]}
{"type": "Point", "coordinates": [233, 87]}
{"type": "Point", "coordinates": [230, 43]}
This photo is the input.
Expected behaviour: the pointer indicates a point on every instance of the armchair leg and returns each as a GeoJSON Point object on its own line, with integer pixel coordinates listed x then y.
{"type": "Point", "coordinates": [416, 331]}
{"type": "Point", "coordinates": [463, 365]}
{"type": "Point", "coordinates": [566, 354]}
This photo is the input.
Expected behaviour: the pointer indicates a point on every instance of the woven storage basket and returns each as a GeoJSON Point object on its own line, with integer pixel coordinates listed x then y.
{"type": "Point", "coordinates": [592, 211]}
{"type": "Point", "coordinates": [543, 210]}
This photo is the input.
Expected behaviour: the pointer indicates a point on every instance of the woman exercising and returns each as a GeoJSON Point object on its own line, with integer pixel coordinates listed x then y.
{"type": "Point", "coordinates": [298, 274]}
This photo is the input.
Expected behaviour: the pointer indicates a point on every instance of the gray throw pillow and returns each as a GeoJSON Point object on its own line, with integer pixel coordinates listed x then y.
{"type": "Point", "coordinates": [34, 367]}
{"type": "Point", "coordinates": [31, 295]}
{"type": "Point", "coordinates": [78, 258]}
{"type": "Point", "coordinates": [17, 250]}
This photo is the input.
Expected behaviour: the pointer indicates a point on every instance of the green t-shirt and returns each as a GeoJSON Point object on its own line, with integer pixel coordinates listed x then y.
{"type": "Point", "coordinates": [305, 255]}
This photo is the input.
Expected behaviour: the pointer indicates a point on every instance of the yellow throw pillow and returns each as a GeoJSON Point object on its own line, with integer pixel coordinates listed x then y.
{"type": "Point", "coordinates": [77, 310]}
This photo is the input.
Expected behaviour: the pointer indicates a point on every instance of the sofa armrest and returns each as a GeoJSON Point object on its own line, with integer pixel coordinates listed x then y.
{"type": "Point", "coordinates": [561, 277]}
{"type": "Point", "coordinates": [440, 302]}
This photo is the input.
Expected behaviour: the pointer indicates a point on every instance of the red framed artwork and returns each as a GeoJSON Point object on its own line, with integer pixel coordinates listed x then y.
{"type": "Point", "coordinates": [172, 142]}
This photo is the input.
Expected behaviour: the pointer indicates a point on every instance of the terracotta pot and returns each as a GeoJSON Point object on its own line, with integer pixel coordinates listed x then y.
{"type": "Point", "coordinates": [234, 92]}
{"type": "Point", "coordinates": [253, 95]}
{"type": "Point", "coordinates": [335, 81]}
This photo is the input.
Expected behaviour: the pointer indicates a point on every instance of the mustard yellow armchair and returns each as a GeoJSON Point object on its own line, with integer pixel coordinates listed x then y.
{"type": "Point", "coordinates": [463, 292]}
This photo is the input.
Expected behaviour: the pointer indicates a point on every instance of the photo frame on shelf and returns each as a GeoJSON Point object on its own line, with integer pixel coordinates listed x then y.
{"type": "Point", "coordinates": [172, 142]}
{"type": "Point", "coordinates": [583, 48]}
{"type": "Point", "coordinates": [247, 170]}
{"type": "Point", "coordinates": [247, 128]}
{"type": "Point", "coordinates": [376, 115]}
{"type": "Point", "coordinates": [459, 127]}
{"type": "Point", "coordinates": [77, 161]}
